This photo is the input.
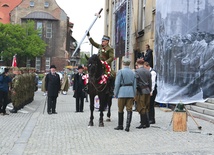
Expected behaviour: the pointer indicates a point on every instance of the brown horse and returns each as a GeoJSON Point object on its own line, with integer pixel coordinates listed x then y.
{"type": "Point", "coordinates": [96, 70]}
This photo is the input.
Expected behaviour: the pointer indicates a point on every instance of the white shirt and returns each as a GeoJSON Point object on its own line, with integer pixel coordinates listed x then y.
{"type": "Point", "coordinates": [153, 75]}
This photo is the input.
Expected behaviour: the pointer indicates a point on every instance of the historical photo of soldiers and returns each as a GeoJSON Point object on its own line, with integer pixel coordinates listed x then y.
{"type": "Point", "coordinates": [184, 52]}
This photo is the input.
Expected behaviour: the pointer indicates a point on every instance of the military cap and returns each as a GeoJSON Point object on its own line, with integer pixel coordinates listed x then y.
{"type": "Point", "coordinates": [105, 37]}
{"type": "Point", "coordinates": [126, 61]}
{"type": "Point", "coordinates": [80, 67]}
{"type": "Point", "coordinates": [53, 66]}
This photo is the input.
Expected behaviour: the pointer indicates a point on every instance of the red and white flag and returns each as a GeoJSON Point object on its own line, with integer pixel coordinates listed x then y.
{"type": "Point", "coordinates": [14, 64]}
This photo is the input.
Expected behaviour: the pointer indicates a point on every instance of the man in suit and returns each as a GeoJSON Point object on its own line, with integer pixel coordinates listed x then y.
{"type": "Point", "coordinates": [148, 56]}
{"type": "Point", "coordinates": [144, 87]}
{"type": "Point", "coordinates": [125, 89]}
{"type": "Point", "coordinates": [52, 86]}
{"type": "Point", "coordinates": [153, 93]}
{"type": "Point", "coordinates": [78, 87]}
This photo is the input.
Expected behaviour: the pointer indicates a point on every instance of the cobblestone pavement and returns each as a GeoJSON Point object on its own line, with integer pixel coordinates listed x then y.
{"type": "Point", "coordinates": [30, 132]}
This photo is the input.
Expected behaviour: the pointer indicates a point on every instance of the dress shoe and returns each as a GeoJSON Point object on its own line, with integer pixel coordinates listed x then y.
{"type": "Point", "coordinates": [13, 111]}
{"type": "Point", "coordinates": [54, 112]}
{"type": "Point", "coordinates": [49, 113]}
{"type": "Point", "coordinates": [152, 122]}
{"type": "Point", "coordinates": [4, 113]}
{"type": "Point", "coordinates": [119, 128]}
{"type": "Point", "coordinates": [141, 126]}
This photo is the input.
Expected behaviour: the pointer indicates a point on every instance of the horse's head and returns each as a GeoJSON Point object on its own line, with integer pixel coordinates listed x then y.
{"type": "Point", "coordinates": [94, 67]}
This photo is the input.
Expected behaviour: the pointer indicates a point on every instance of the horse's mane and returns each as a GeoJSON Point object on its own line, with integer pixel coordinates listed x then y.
{"type": "Point", "coordinates": [95, 66]}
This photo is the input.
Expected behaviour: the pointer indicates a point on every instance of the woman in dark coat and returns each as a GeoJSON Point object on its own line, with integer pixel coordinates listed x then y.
{"type": "Point", "coordinates": [52, 86]}
{"type": "Point", "coordinates": [78, 87]}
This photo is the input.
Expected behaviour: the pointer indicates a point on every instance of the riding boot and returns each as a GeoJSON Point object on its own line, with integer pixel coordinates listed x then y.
{"type": "Point", "coordinates": [120, 121]}
{"type": "Point", "coordinates": [143, 118]}
{"type": "Point", "coordinates": [128, 121]}
{"type": "Point", "coordinates": [147, 120]}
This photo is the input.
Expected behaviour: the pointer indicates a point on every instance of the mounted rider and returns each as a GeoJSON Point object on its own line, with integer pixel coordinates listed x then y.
{"type": "Point", "coordinates": [105, 53]}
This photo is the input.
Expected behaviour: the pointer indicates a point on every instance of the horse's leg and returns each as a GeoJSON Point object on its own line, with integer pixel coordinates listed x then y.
{"type": "Point", "coordinates": [102, 100]}
{"type": "Point", "coordinates": [109, 109]}
{"type": "Point", "coordinates": [91, 123]}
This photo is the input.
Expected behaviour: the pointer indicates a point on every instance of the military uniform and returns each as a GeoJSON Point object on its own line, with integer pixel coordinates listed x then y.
{"type": "Point", "coordinates": [125, 89]}
{"type": "Point", "coordinates": [144, 87]}
{"type": "Point", "coordinates": [106, 53]}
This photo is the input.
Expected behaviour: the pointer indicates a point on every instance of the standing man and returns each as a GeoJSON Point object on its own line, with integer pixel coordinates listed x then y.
{"type": "Point", "coordinates": [105, 53]}
{"type": "Point", "coordinates": [148, 56]}
{"type": "Point", "coordinates": [4, 89]}
{"type": "Point", "coordinates": [78, 87]}
{"type": "Point", "coordinates": [52, 86]}
{"type": "Point", "coordinates": [125, 89]}
{"type": "Point", "coordinates": [153, 93]}
{"type": "Point", "coordinates": [144, 87]}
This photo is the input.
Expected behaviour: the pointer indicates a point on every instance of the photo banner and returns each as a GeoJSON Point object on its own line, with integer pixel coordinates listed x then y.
{"type": "Point", "coordinates": [184, 51]}
{"type": "Point", "coordinates": [120, 31]}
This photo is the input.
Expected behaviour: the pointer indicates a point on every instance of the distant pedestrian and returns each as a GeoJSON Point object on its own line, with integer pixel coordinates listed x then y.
{"type": "Point", "coordinates": [4, 89]}
{"type": "Point", "coordinates": [125, 89]}
{"type": "Point", "coordinates": [78, 87]}
{"type": "Point", "coordinates": [43, 85]}
{"type": "Point", "coordinates": [52, 86]}
{"type": "Point", "coordinates": [148, 56]}
{"type": "Point", "coordinates": [153, 93]}
{"type": "Point", "coordinates": [144, 87]}
{"type": "Point", "coordinates": [65, 84]}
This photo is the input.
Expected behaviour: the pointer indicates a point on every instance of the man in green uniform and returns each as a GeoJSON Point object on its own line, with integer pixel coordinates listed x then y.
{"type": "Point", "coordinates": [105, 53]}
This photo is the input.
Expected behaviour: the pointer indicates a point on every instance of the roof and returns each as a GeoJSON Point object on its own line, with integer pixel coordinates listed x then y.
{"type": "Point", "coordinates": [39, 15]}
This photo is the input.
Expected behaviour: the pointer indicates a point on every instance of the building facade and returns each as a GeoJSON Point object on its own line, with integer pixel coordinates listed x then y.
{"type": "Point", "coordinates": [53, 24]}
{"type": "Point", "coordinates": [6, 6]}
{"type": "Point", "coordinates": [131, 25]}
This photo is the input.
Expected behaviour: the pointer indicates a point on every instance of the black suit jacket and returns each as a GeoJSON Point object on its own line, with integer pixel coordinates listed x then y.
{"type": "Point", "coordinates": [78, 86]}
{"type": "Point", "coordinates": [52, 84]}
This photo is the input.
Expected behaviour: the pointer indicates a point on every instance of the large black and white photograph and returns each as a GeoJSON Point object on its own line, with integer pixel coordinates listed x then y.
{"type": "Point", "coordinates": [184, 50]}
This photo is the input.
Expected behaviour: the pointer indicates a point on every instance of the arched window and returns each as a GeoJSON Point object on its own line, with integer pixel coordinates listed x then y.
{"type": "Point", "coordinates": [5, 5]}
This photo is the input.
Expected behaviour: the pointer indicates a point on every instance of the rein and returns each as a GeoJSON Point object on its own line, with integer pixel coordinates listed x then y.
{"type": "Point", "coordinates": [97, 88]}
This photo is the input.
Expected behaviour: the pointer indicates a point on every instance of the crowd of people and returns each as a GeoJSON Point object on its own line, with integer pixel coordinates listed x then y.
{"type": "Point", "coordinates": [138, 86]}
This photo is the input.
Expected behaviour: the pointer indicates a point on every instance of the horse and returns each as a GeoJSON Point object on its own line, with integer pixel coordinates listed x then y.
{"type": "Point", "coordinates": [96, 70]}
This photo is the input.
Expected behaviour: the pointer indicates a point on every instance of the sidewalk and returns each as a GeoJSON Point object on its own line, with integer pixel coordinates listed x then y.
{"type": "Point", "coordinates": [30, 132]}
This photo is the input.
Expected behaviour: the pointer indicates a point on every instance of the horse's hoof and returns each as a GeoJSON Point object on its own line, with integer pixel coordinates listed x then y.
{"type": "Point", "coordinates": [101, 124]}
{"type": "Point", "coordinates": [108, 119]}
{"type": "Point", "coordinates": [90, 124]}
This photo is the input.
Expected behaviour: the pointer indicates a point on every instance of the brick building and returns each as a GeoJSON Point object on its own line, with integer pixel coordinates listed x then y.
{"type": "Point", "coordinates": [52, 21]}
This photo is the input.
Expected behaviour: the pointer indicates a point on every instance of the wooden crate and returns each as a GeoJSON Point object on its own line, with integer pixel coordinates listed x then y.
{"type": "Point", "coordinates": [179, 121]}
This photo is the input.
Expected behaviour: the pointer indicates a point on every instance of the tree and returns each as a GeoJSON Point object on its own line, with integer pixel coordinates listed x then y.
{"type": "Point", "coordinates": [22, 40]}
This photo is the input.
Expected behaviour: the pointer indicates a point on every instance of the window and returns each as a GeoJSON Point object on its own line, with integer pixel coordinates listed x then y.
{"type": "Point", "coordinates": [141, 15]}
{"type": "Point", "coordinates": [39, 28]}
{"type": "Point", "coordinates": [38, 63]}
{"type": "Point", "coordinates": [46, 5]}
{"type": "Point", "coordinates": [28, 62]}
{"type": "Point", "coordinates": [31, 3]}
{"type": "Point", "coordinates": [47, 63]}
{"type": "Point", "coordinates": [5, 5]}
{"type": "Point", "coordinates": [49, 30]}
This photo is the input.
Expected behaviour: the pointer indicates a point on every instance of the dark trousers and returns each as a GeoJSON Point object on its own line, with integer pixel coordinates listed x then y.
{"type": "Point", "coordinates": [51, 104]}
{"type": "Point", "coordinates": [152, 106]}
{"type": "Point", "coordinates": [79, 104]}
{"type": "Point", "coordinates": [3, 101]}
